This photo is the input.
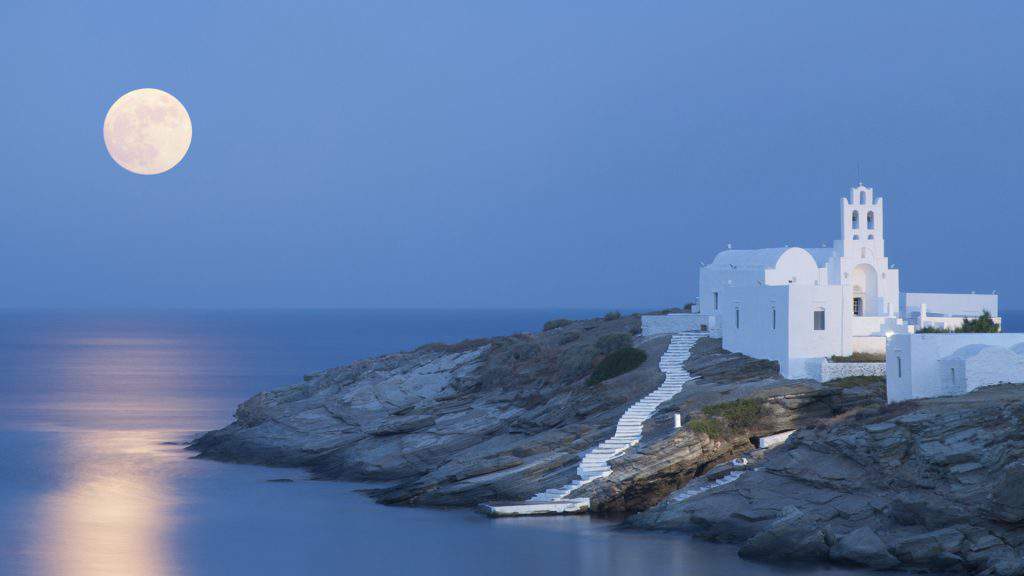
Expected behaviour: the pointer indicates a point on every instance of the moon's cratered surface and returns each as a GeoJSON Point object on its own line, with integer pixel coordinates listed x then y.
{"type": "Point", "coordinates": [147, 131]}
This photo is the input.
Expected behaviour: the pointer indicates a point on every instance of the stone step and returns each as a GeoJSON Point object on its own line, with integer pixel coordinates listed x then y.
{"type": "Point", "coordinates": [629, 427]}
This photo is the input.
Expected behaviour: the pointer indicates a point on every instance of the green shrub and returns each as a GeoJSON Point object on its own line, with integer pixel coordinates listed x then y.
{"type": "Point", "coordinates": [705, 425]}
{"type": "Point", "coordinates": [858, 357]}
{"type": "Point", "coordinates": [617, 363]}
{"type": "Point", "coordinates": [742, 413]}
{"type": "Point", "coordinates": [556, 323]}
{"type": "Point", "coordinates": [614, 315]}
{"type": "Point", "coordinates": [612, 342]}
{"type": "Point", "coordinates": [737, 416]}
{"type": "Point", "coordinates": [983, 323]}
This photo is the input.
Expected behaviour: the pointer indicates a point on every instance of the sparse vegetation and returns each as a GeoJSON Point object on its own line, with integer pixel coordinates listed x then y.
{"type": "Point", "coordinates": [569, 337]}
{"type": "Point", "coordinates": [612, 342]}
{"type": "Point", "coordinates": [617, 363]}
{"type": "Point", "coordinates": [858, 381]}
{"type": "Point", "coordinates": [613, 315]}
{"type": "Point", "coordinates": [737, 416]}
{"type": "Point", "coordinates": [742, 413]}
{"type": "Point", "coordinates": [705, 425]}
{"type": "Point", "coordinates": [858, 357]}
{"type": "Point", "coordinates": [556, 323]}
{"type": "Point", "coordinates": [983, 323]}
{"type": "Point", "coordinates": [666, 311]}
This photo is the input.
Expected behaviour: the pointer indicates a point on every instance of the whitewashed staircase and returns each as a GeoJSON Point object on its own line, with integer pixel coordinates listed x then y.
{"type": "Point", "coordinates": [595, 462]}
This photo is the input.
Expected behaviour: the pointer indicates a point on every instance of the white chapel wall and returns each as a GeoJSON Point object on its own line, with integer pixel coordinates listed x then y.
{"type": "Point", "coordinates": [917, 365]}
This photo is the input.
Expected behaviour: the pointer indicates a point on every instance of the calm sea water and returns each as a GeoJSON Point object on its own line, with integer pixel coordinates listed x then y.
{"type": "Point", "coordinates": [94, 480]}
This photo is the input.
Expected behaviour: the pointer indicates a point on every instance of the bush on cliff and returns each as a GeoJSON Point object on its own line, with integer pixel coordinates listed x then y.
{"type": "Point", "coordinates": [614, 315]}
{"type": "Point", "coordinates": [611, 342]}
{"type": "Point", "coordinates": [556, 323]}
{"type": "Point", "coordinates": [738, 416]}
{"type": "Point", "coordinates": [617, 363]}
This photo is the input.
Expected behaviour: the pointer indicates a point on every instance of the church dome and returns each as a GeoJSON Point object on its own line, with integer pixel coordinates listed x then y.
{"type": "Point", "coordinates": [761, 259]}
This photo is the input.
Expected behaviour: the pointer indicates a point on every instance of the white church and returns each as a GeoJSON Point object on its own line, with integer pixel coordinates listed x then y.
{"type": "Point", "coordinates": [800, 305]}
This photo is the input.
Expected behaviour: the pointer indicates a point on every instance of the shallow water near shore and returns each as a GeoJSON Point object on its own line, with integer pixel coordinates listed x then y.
{"type": "Point", "coordinates": [94, 477]}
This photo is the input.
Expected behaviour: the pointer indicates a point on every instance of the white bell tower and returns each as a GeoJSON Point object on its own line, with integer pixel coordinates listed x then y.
{"type": "Point", "coordinates": [863, 224]}
{"type": "Point", "coordinates": [862, 262]}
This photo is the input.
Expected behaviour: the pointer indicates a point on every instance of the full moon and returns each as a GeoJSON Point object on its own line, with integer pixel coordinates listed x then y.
{"type": "Point", "coordinates": [147, 131]}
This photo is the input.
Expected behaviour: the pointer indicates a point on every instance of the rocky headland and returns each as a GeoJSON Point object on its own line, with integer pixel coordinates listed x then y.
{"type": "Point", "coordinates": [931, 484]}
{"type": "Point", "coordinates": [934, 484]}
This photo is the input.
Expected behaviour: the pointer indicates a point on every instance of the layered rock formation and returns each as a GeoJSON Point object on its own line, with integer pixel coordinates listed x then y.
{"type": "Point", "coordinates": [504, 418]}
{"type": "Point", "coordinates": [668, 457]}
{"type": "Point", "coordinates": [934, 484]}
{"type": "Point", "coordinates": [490, 419]}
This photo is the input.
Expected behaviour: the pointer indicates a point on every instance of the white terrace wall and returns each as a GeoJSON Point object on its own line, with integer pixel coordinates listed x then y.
{"type": "Point", "coordinates": [869, 344]}
{"type": "Point", "coordinates": [836, 370]}
{"type": "Point", "coordinates": [970, 305]}
{"type": "Point", "coordinates": [916, 364]}
{"type": "Point", "coordinates": [673, 323]}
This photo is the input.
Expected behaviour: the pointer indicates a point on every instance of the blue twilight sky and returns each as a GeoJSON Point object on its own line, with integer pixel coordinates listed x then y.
{"type": "Point", "coordinates": [509, 154]}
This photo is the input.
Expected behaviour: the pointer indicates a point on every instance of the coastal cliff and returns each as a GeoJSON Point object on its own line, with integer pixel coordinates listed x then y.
{"type": "Point", "coordinates": [450, 425]}
{"type": "Point", "coordinates": [504, 418]}
{"type": "Point", "coordinates": [934, 484]}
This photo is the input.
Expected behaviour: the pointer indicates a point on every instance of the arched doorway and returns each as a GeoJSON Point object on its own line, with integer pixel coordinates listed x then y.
{"type": "Point", "coordinates": [865, 290]}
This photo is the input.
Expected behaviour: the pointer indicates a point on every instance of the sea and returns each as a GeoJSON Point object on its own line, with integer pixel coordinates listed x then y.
{"type": "Point", "coordinates": [96, 407]}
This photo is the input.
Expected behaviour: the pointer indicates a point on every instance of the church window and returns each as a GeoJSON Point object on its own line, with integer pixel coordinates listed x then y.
{"type": "Point", "coordinates": [863, 252]}
{"type": "Point", "coordinates": [871, 236]}
{"type": "Point", "coordinates": [899, 367]}
{"type": "Point", "coordinates": [773, 318]}
{"type": "Point", "coordinates": [716, 300]}
{"type": "Point", "coordinates": [856, 236]}
{"type": "Point", "coordinates": [737, 318]}
{"type": "Point", "coordinates": [858, 306]}
{"type": "Point", "coordinates": [863, 197]}
{"type": "Point", "coordinates": [856, 219]}
{"type": "Point", "coordinates": [871, 220]}
{"type": "Point", "coordinates": [819, 319]}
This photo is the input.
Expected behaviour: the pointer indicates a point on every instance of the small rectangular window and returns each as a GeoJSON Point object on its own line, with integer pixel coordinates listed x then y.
{"type": "Point", "coordinates": [716, 300]}
{"type": "Point", "coordinates": [737, 318]}
{"type": "Point", "coordinates": [819, 319]}
{"type": "Point", "coordinates": [773, 318]}
{"type": "Point", "coordinates": [899, 367]}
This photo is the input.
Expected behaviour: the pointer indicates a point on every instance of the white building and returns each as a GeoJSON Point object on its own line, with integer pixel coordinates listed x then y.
{"type": "Point", "coordinates": [799, 305]}
{"type": "Point", "coordinates": [926, 365]}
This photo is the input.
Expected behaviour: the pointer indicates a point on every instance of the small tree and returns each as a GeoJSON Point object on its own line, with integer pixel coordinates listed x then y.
{"type": "Point", "coordinates": [984, 324]}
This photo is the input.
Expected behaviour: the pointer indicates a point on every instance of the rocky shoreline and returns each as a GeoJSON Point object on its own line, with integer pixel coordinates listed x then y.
{"type": "Point", "coordinates": [934, 484]}
{"type": "Point", "coordinates": [504, 418]}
